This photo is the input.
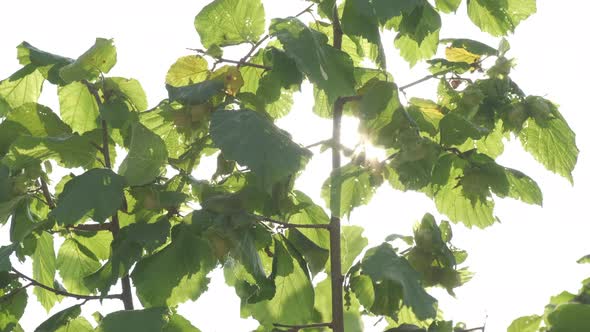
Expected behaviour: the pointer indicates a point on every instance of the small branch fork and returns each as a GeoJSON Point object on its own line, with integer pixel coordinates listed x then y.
{"type": "Point", "coordinates": [33, 282]}
{"type": "Point", "coordinates": [243, 62]}
{"type": "Point", "coordinates": [296, 328]}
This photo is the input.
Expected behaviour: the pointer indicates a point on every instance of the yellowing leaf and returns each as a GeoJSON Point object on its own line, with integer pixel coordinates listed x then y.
{"type": "Point", "coordinates": [457, 54]}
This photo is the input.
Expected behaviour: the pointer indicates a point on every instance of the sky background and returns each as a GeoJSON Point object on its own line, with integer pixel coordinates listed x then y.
{"type": "Point", "coordinates": [519, 263]}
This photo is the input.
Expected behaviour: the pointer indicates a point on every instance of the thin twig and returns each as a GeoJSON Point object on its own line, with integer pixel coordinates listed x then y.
{"type": "Point", "coordinates": [91, 227]}
{"type": "Point", "coordinates": [255, 46]}
{"type": "Point", "coordinates": [238, 62]}
{"type": "Point", "coordinates": [295, 328]}
{"type": "Point", "coordinates": [423, 79]}
{"type": "Point", "coordinates": [284, 224]}
{"type": "Point", "coordinates": [64, 293]}
{"type": "Point", "coordinates": [46, 194]}
{"type": "Point", "coordinates": [14, 292]}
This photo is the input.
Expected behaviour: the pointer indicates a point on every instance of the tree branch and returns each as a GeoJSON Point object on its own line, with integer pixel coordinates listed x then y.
{"type": "Point", "coordinates": [423, 79]}
{"type": "Point", "coordinates": [336, 277]}
{"type": "Point", "coordinates": [14, 292]}
{"type": "Point", "coordinates": [91, 227]}
{"type": "Point", "coordinates": [295, 328]}
{"type": "Point", "coordinates": [36, 283]}
{"type": "Point", "coordinates": [238, 62]}
{"type": "Point", "coordinates": [283, 224]}
{"type": "Point", "coordinates": [46, 194]}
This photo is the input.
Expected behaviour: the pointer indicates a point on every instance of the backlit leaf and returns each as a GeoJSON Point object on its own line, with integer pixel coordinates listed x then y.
{"type": "Point", "coordinates": [146, 158]}
{"type": "Point", "coordinates": [44, 267]}
{"type": "Point", "coordinates": [187, 70]}
{"type": "Point", "coordinates": [78, 107]}
{"type": "Point", "coordinates": [77, 201]}
{"type": "Point", "coordinates": [22, 87]}
{"type": "Point", "coordinates": [146, 320]}
{"type": "Point", "coordinates": [499, 17]}
{"type": "Point", "coordinates": [230, 22]}
{"type": "Point", "coordinates": [97, 60]}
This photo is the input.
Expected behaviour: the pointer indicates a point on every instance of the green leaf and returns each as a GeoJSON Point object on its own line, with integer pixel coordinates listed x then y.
{"type": "Point", "coordinates": [98, 243]}
{"type": "Point", "coordinates": [78, 107]}
{"type": "Point", "coordinates": [521, 187]}
{"type": "Point", "coordinates": [44, 270]}
{"type": "Point", "coordinates": [127, 249]}
{"type": "Point", "coordinates": [146, 158]}
{"type": "Point", "coordinates": [146, 320]}
{"type": "Point", "coordinates": [471, 46]}
{"type": "Point", "coordinates": [177, 323]}
{"type": "Point", "coordinates": [188, 70]}
{"type": "Point", "coordinates": [74, 262]}
{"type": "Point", "coordinates": [382, 264]}
{"type": "Point", "coordinates": [328, 68]}
{"type": "Point", "coordinates": [176, 273]}
{"type": "Point", "coordinates": [447, 6]}
{"type": "Point", "coordinates": [584, 260]}
{"type": "Point", "coordinates": [230, 22]}
{"type": "Point", "coordinates": [22, 87]}
{"type": "Point", "coordinates": [48, 64]}
{"type": "Point", "coordinates": [526, 324]}
{"type": "Point", "coordinates": [68, 151]}
{"type": "Point", "coordinates": [293, 304]}
{"type": "Point", "coordinates": [315, 256]}
{"type": "Point", "coordinates": [195, 94]}
{"type": "Point", "coordinates": [252, 140]}
{"type": "Point", "coordinates": [418, 34]}
{"type": "Point", "coordinates": [38, 120]}
{"type": "Point", "coordinates": [5, 252]}
{"type": "Point", "coordinates": [387, 9]}
{"type": "Point", "coordinates": [455, 129]}
{"type": "Point", "coordinates": [357, 186]}
{"type": "Point", "coordinates": [359, 19]}
{"type": "Point", "coordinates": [352, 243]}
{"type": "Point", "coordinates": [79, 324]}
{"type": "Point", "coordinates": [323, 306]}
{"type": "Point", "coordinates": [12, 309]}
{"type": "Point", "coordinates": [451, 198]}
{"type": "Point", "coordinates": [59, 319]}
{"type": "Point", "coordinates": [551, 142]}
{"type": "Point", "coordinates": [570, 317]}
{"type": "Point", "coordinates": [498, 18]}
{"type": "Point", "coordinates": [309, 213]}
{"type": "Point", "coordinates": [97, 60]}
{"type": "Point", "coordinates": [128, 88]}
{"type": "Point", "coordinates": [99, 191]}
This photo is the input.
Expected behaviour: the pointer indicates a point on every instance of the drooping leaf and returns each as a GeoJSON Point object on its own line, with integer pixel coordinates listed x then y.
{"type": "Point", "coordinates": [12, 307]}
{"type": "Point", "coordinates": [22, 87]}
{"type": "Point", "coordinates": [252, 140]}
{"type": "Point", "coordinates": [146, 320]}
{"type": "Point", "coordinates": [352, 243]}
{"type": "Point", "coordinates": [146, 158]}
{"type": "Point", "coordinates": [230, 22]}
{"type": "Point", "coordinates": [357, 186]}
{"type": "Point", "coordinates": [293, 301]}
{"type": "Point", "coordinates": [197, 93]}
{"type": "Point", "coordinates": [38, 120]}
{"type": "Point", "coordinates": [383, 264]}
{"type": "Point", "coordinates": [127, 88]}
{"type": "Point", "coordinates": [78, 107]}
{"type": "Point", "coordinates": [551, 142]}
{"type": "Point", "coordinates": [97, 60]}
{"type": "Point", "coordinates": [315, 256]}
{"type": "Point", "coordinates": [418, 33]}
{"type": "Point", "coordinates": [44, 268]}
{"type": "Point", "coordinates": [187, 70]}
{"type": "Point", "coordinates": [176, 273]}
{"type": "Point", "coordinates": [327, 67]}
{"type": "Point", "coordinates": [74, 262]}
{"type": "Point", "coordinates": [102, 200]}
{"type": "Point", "coordinates": [47, 63]}
{"type": "Point", "coordinates": [5, 252]}
{"type": "Point", "coordinates": [323, 305]}
{"type": "Point", "coordinates": [499, 17]}
{"type": "Point", "coordinates": [60, 319]}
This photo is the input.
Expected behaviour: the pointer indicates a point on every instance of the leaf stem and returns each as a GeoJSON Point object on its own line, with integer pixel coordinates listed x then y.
{"type": "Point", "coordinates": [423, 79]}
{"type": "Point", "coordinates": [36, 283]}
{"type": "Point", "coordinates": [295, 328]}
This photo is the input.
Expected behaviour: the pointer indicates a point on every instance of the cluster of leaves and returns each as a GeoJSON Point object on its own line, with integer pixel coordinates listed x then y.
{"type": "Point", "coordinates": [152, 222]}
{"type": "Point", "coordinates": [565, 312]}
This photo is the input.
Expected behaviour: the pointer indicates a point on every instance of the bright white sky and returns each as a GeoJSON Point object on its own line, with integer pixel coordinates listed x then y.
{"type": "Point", "coordinates": [519, 264]}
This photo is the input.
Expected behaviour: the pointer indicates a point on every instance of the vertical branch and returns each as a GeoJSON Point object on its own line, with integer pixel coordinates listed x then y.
{"type": "Point", "coordinates": [126, 296]}
{"type": "Point", "coordinates": [336, 277]}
